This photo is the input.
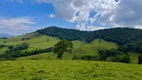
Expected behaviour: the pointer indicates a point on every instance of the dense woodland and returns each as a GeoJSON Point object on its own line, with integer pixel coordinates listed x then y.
{"type": "Point", "coordinates": [129, 39]}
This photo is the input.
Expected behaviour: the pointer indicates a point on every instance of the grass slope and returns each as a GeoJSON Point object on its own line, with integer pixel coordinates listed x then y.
{"type": "Point", "coordinates": [80, 49]}
{"type": "Point", "coordinates": [1, 41]}
{"type": "Point", "coordinates": [68, 70]}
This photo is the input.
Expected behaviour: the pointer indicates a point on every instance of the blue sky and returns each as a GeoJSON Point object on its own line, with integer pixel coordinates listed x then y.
{"type": "Point", "coordinates": [22, 16]}
{"type": "Point", "coordinates": [37, 13]}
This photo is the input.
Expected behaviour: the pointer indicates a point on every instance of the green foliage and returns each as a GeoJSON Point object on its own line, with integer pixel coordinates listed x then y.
{"type": "Point", "coordinates": [16, 54]}
{"type": "Point", "coordinates": [122, 58]}
{"type": "Point", "coordinates": [113, 55]}
{"type": "Point", "coordinates": [135, 46]}
{"type": "Point", "coordinates": [2, 46]}
{"type": "Point", "coordinates": [22, 46]}
{"type": "Point", "coordinates": [122, 36]}
{"type": "Point", "coordinates": [80, 49]}
{"type": "Point", "coordinates": [85, 57]}
{"type": "Point", "coordinates": [140, 59]}
{"type": "Point", "coordinates": [23, 39]}
{"type": "Point", "coordinates": [62, 46]}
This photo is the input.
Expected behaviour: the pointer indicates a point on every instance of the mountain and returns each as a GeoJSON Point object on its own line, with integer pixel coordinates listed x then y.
{"type": "Point", "coordinates": [129, 39]}
{"type": "Point", "coordinates": [5, 35]}
{"type": "Point", "coordinates": [118, 35]}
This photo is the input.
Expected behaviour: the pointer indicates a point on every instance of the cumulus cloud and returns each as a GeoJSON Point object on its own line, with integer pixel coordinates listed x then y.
{"type": "Point", "coordinates": [15, 23]}
{"type": "Point", "coordinates": [86, 13]}
{"type": "Point", "coordinates": [128, 13]}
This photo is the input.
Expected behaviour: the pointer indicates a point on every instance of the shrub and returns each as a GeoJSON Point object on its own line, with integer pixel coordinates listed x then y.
{"type": "Point", "coordinates": [85, 57]}
{"type": "Point", "coordinates": [140, 59]}
{"type": "Point", "coordinates": [113, 55]}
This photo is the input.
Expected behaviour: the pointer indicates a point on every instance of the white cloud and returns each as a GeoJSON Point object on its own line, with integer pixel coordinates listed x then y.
{"type": "Point", "coordinates": [122, 13]}
{"type": "Point", "coordinates": [15, 23]}
{"type": "Point", "coordinates": [138, 26]}
{"type": "Point", "coordinates": [52, 15]}
{"type": "Point", "coordinates": [68, 9]}
{"type": "Point", "coordinates": [92, 28]}
{"type": "Point", "coordinates": [20, 1]}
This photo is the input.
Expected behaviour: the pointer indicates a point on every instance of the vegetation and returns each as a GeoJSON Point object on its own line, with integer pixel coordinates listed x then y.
{"type": "Point", "coordinates": [122, 36]}
{"type": "Point", "coordinates": [80, 49]}
{"type": "Point", "coordinates": [2, 46]}
{"type": "Point", "coordinates": [68, 70]}
{"type": "Point", "coordinates": [12, 55]}
{"type": "Point", "coordinates": [113, 55]}
{"type": "Point", "coordinates": [61, 47]}
{"type": "Point", "coordinates": [17, 47]}
{"type": "Point", "coordinates": [140, 59]}
{"type": "Point", "coordinates": [34, 57]}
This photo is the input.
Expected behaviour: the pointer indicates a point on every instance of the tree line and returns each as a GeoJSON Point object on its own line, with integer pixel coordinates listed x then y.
{"type": "Point", "coordinates": [14, 51]}
{"type": "Point", "coordinates": [113, 55]}
{"type": "Point", "coordinates": [128, 38]}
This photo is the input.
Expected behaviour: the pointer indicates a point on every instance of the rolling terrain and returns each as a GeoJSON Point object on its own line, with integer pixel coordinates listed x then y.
{"type": "Point", "coordinates": [46, 66]}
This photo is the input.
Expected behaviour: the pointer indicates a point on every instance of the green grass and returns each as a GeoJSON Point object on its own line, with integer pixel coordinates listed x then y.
{"type": "Point", "coordinates": [80, 49]}
{"type": "Point", "coordinates": [35, 41]}
{"type": "Point", "coordinates": [134, 57]}
{"type": "Point", "coordinates": [93, 47]}
{"type": "Point", "coordinates": [2, 50]}
{"type": "Point", "coordinates": [68, 70]}
{"type": "Point", "coordinates": [1, 41]}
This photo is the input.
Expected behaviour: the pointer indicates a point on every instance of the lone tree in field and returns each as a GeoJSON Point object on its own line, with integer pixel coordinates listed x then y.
{"type": "Point", "coordinates": [62, 46]}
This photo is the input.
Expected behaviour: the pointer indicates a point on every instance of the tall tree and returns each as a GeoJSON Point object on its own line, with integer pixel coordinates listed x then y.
{"type": "Point", "coordinates": [62, 46]}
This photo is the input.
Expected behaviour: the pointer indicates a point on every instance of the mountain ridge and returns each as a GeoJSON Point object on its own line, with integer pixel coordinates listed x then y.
{"type": "Point", "coordinates": [130, 39]}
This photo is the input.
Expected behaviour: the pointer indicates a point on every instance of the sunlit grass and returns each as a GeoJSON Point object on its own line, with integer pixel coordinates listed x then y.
{"type": "Point", "coordinates": [68, 70]}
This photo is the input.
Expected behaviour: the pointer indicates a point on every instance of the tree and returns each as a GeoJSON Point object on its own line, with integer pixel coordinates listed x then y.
{"type": "Point", "coordinates": [140, 59]}
{"type": "Point", "coordinates": [61, 47]}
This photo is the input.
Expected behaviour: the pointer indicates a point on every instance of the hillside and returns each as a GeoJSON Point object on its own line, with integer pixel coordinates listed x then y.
{"type": "Point", "coordinates": [38, 41]}
{"type": "Point", "coordinates": [80, 49]}
{"type": "Point", "coordinates": [129, 39]}
{"type": "Point", "coordinates": [68, 70]}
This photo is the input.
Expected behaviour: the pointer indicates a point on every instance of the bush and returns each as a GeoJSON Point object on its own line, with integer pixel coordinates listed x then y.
{"type": "Point", "coordinates": [22, 46]}
{"type": "Point", "coordinates": [2, 45]}
{"type": "Point", "coordinates": [104, 54]}
{"type": "Point", "coordinates": [85, 57]}
{"type": "Point", "coordinates": [113, 55]}
{"type": "Point", "coordinates": [123, 58]}
{"type": "Point", "coordinates": [140, 59]}
{"type": "Point", "coordinates": [16, 53]}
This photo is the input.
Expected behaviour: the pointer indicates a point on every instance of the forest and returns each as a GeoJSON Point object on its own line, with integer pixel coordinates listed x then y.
{"type": "Point", "coordinates": [129, 39]}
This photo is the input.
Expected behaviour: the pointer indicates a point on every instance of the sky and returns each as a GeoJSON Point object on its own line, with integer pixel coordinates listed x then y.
{"type": "Point", "coordinates": [23, 16]}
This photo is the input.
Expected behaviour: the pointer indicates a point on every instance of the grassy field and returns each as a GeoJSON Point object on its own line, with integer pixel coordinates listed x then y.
{"type": "Point", "coordinates": [1, 41]}
{"type": "Point", "coordinates": [68, 70]}
{"type": "Point", "coordinates": [45, 66]}
{"type": "Point", "coordinates": [134, 57]}
{"type": "Point", "coordinates": [80, 49]}
{"type": "Point", "coordinates": [41, 41]}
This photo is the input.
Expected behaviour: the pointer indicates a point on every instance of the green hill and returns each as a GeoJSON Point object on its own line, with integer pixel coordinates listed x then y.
{"type": "Point", "coordinates": [129, 39]}
{"type": "Point", "coordinates": [68, 70]}
{"type": "Point", "coordinates": [80, 49]}
{"type": "Point", "coordinates": [45, 66]}
{"type": "Point", "coordinates": [38, 41]}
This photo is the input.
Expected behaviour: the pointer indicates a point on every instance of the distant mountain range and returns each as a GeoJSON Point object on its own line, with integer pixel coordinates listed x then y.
{"type": "Point", "coordinates": [5, 35]}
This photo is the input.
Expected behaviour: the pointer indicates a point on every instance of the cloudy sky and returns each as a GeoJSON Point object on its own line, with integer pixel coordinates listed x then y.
{"type": "Point", "coordinates": [22, 16]}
